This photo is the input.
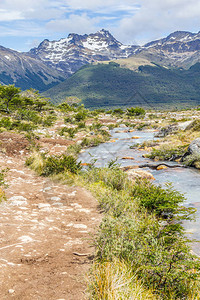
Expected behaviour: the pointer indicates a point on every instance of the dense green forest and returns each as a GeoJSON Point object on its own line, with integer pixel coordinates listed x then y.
{"type": "Point", "coordinates": [110, 85]}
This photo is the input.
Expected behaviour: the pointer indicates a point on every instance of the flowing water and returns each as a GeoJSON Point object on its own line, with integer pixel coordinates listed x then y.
{"type": "Point", "coordinates": [185, 180]}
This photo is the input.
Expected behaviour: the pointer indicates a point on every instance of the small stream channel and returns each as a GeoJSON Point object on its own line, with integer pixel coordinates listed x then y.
{"type": "Point", "coordinates": [185, 180]}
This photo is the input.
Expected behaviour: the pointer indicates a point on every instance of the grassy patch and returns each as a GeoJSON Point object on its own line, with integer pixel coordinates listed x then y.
{"type": "Point", "coordinates": [167, 152]}
{"type": "Point", "coordinates": [52, 165]}
{"type": "Point", "coordinates": [142, 229]}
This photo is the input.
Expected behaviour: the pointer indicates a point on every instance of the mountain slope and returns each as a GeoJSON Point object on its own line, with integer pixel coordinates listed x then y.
{"type": "Point", "coordinates": [109, 85]}
{"type": "Point", "coordinates": [53, 61]}
{"type": "Point", "coordinates": [179, 49]}
{"type": "Point", "coordinates": [25, 71]}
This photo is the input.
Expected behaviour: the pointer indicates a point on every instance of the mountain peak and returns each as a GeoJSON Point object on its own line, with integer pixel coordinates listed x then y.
{"type": "Point", "coordinates": [69, 54]}
{"type": "Point", "coordinates": [104, 32]}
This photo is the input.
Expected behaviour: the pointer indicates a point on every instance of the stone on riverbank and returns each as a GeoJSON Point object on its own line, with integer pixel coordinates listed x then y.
{"type": "Point", "coordinates": [194, 147]}
{"type": "Point", "coordinates": [134, 174]}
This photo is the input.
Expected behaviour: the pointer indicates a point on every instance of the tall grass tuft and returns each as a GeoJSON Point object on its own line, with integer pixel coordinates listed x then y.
{"type": "Point", "coordinates": [116, 281]}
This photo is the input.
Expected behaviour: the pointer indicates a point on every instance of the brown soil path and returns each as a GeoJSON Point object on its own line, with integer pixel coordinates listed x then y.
{"type": "Point", "coordinates": [43, 226]}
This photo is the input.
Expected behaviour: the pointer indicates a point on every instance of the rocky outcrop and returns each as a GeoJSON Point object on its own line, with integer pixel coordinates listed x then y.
{"type": "Point", "coordinates": [192, 157]}
{"type": "Point", "coordinates": [194, 147]}
{"type": "Point", "coordinates": [167, 130]}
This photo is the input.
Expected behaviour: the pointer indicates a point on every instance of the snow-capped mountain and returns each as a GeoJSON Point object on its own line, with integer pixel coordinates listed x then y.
{"type": "Point", "coordinates": [69, 54]}
{"type": "Point", "coordinates": [53, 61]}
{"type": "Point", "coordinates": [179, 41]}
{"type": "Point", "coordinates": [179, 49]}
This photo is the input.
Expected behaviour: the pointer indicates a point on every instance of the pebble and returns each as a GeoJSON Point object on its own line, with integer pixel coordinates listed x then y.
{"type": "Point", "coordinates": [18, 200]}
{"type": "Point", "coordinates": [43, 205]}
{"type": "Point", "coordinates": [25, 239]}
{"type": "Point", "coordinates": [55, 199]}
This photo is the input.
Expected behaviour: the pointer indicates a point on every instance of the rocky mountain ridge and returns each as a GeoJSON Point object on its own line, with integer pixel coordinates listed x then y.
{"type": "Point", "coordinates": [26, 71]}
{"type": "Point", "coordinates": [179, 49]}
{"type": "Point", "coordinates": [53, 61]}
{"type": "Point", "coordinates": [69, 54]}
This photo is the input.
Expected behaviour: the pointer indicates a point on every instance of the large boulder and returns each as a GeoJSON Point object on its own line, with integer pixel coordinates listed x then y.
{"type": "Point", "coordinates": [194, 147]}
{"type": "Point", "coordinates": [192, 156]}
{"type": "Point", "coordinates": [135, 174]}
{"type": "Point", "coordinates": [167, 130]}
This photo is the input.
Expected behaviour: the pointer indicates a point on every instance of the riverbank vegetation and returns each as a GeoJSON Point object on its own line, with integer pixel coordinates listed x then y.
{"type": "Point", "coordinates": [141, 248]}
{"type": "Point", "coordinates": [141, 238]}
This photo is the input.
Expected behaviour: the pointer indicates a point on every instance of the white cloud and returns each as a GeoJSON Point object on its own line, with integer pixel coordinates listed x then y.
{"type": "Point", "coordinates": [22, 29]}
{"type": "Point", "coordinates": [23, 4]}
{"type": "Point", "coordinates": [128, 20]}
{"type": "Point", "coordinates": [93, 5]}
{"type": "Point", "coordinates": [32, 9]}
{"type": "Point", "coordinates": [75, 23]}
{"type": "Point", "coordinates": [6, 15]}
{"type": "Point", "coordinates": [156, 18]}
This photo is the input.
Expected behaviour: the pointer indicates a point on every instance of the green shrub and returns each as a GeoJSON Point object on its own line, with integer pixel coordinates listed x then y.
{"type": "Point", "coordinates": [59, 164]}
{"type": "Point", "coordinates": [81, 125]}
{"type": "Point", "coordinates": [6, 123]}
{"type": "Point", "coordinates": [92, 142]}
{"type": "Point", "coordinates": [74, 150]}
{"type": "Point", "coordinates": [80, 116]}
{"type": "Point", "coordinates": [29, 115]}
{"type": "Point", "coordinates": [49, 120]}
{"type": "Point", "coordinates": [111, 177]}
{"type": "Point", "coordinates": [192, 160]}
{"type": "Point", "coordinates": [135, 111]}
{"type": "Point", "coordinates": [50, 165]}
{"type": "Point", "coordinates": [71, 131]}
{"type": "Point", "coordinates": [118, 111]}
{"type": "Point", "coordinates": [143, 227]}
{"type": "Point", "coordinates": [168, 268]}
{"type": "Point", "coordinates": [168, 153]}
{"type": "Point", "coordinates": [68, 120]}
{"type": "Point", "coordinates": [96, 126]}
{"type": "Point", "coordinates": [24, 126]}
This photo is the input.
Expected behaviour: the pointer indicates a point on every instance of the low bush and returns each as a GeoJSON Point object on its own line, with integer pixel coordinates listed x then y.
{"type": "Point", "coordinates": [135, 111]}
{"type": "Point", "coordinates": [70, 130]}
{"type": "Point", "coordinates": [50, 165]}
{"type": "Point", "coordinates": [59, 164]}
{"type": "Point", "coordinates": [168, 152]}
{"type": "Point", "coordinates": [194, 126]}
{"type": "Point", "coordinates": [80, 116]}
{"type": "Point", "coordinates": [143, 228]}
{"type": "Point", "coordinates": [94, 141]}
{"type": "Point", "coordinates": [49, 120]}
{"type": "Point", "coordinates": [2, 184]}
{"type": "Point", "coordinates": [6, 122]}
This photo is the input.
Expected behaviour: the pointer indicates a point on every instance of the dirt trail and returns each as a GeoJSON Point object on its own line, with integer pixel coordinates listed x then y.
{"type": "Point", "coordinates": [43, 225]}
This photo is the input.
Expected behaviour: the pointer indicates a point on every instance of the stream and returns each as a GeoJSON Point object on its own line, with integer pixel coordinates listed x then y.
{"type": "Point", "coordinates": [185, 180]}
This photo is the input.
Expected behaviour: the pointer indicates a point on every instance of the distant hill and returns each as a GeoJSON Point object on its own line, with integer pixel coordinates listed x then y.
{"type": "Point", "coordinates": [108, 85]}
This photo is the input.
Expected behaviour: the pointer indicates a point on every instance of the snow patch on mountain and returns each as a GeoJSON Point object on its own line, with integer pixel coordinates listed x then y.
{"type": "Point", "coordinates": [69, 54]}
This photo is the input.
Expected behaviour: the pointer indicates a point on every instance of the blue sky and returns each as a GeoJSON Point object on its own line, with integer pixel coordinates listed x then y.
{"type": "Point", "coordinates": [25, 23]}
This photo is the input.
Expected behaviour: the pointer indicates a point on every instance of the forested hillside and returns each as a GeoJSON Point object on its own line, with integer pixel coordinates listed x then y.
{"type": "Point", "coordinates": [151, 86]}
